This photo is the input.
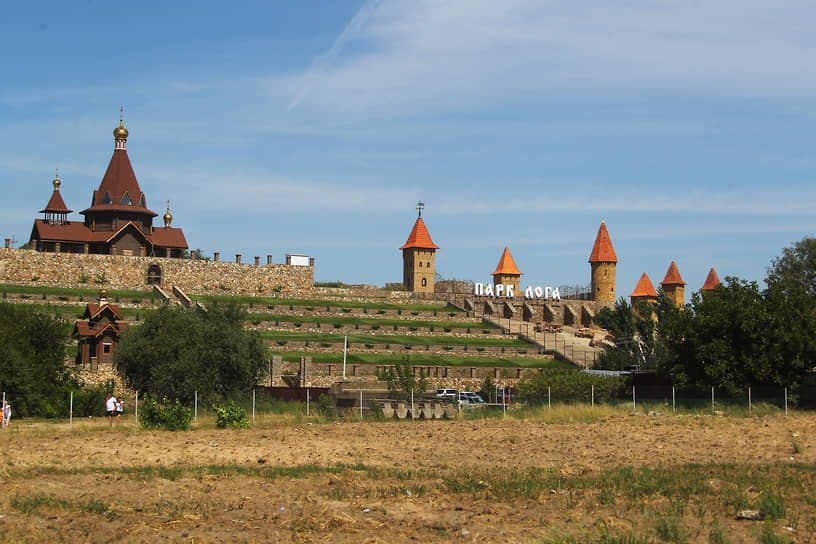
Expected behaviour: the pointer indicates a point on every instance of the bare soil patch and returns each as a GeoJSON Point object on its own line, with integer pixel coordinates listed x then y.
{"type": "Point", "coordinates": [429, 481]}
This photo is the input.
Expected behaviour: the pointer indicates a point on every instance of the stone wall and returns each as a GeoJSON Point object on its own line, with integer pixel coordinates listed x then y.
{"type": "Point", "coordinates": [576, 313]}
{"type": "Point", "coordinates": [29, 267]}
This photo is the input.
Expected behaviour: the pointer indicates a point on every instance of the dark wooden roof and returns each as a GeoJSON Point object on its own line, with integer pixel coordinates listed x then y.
{"type": "Point", "coordinates": [119, 190]}
{"type": "Point", "coordinates": [56, 204]}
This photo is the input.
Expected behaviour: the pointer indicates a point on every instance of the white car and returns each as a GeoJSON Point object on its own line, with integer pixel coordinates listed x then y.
{"type": "Point", "coordinates": [447, 394]}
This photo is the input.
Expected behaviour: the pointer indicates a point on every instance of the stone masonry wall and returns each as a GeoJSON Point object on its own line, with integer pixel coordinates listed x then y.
{"type": "Point", "coordinates": [29, 267]}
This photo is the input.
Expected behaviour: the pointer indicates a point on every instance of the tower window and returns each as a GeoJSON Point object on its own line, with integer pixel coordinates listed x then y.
{"type": "Point", "coordinates": [420, 264]}
{"type": "Point", "coordinates": [424, 282]}
{"type": "Point", "coordinates": [126, 200]}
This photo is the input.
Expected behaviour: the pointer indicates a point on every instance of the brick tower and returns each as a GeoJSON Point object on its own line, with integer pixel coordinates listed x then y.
{"type": "Point", "coordinates": [603, 262]}
{"type": "Point", "coordinates": [644, 290]}
{"type": "Point", "coordinates": [418, 258]}
{"type": "Point", "coordinates": [507, 273]}
{"type": "Point", "coordinates": [674, 286]}
{"type": "Point", "coordinates": [711, 281]}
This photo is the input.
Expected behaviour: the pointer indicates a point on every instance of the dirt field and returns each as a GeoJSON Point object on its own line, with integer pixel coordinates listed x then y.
{"type": "Point", "coordinates": [435, 481]}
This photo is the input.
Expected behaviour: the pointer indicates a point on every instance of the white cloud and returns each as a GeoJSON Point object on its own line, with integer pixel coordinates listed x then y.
{"type": "Point", "coordinates": [426, 56]}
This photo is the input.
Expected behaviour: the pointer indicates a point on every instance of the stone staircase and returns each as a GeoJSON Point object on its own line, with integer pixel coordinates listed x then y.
{"type": "Point", "coordinates": [564, 345]}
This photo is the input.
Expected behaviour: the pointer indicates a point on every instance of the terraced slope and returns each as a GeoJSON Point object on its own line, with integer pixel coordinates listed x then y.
{"type": "Point", "coordinates": [376, 331]}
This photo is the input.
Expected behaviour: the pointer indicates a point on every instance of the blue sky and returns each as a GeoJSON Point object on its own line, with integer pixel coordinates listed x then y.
{"type": "Point", "coordinates": [315, 126]}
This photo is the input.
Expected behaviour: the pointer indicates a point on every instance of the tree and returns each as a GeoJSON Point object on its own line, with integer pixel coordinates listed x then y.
{"type": "Point", "coordinates": [488, 389]}
{"type": "Point", "coordinates": [32, 355]}
{"type": "Point", "coordinates": [729, 333]}
{"type": "Point", "coordinates": [738, 336]}
{"type": "Point", "coordinates": [403, 378]}
{"type": "Point", "coordinates": [795, 269]}
{"type": "Point", "coordinates": [634, 332]}
{"type": "Point", "coordinates": [178, 352]}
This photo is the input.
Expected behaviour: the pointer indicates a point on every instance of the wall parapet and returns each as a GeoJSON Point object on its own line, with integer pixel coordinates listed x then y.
{"type": "Point", "coordinates": [199, 277]}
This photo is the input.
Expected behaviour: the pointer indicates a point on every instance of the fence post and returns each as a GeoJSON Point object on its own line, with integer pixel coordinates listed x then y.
{"type": "Point", "coordinates": [253, 406]}
{"type": "Point", "coordinates": [786, 401]}
{"type": "Point", "coordinates": [71, 412]}
{"type": "Point", "coordinates": [549, 400]}
{"type": "Point", "coordinates": [750, 405]}
{"type": "Point", "coordinates": [307, 401]}
{"type": "Point", "coordinates": [593, 395]}
{"type": "Point", "coordinates": [195, 408]}
{"type": "Point", "coordinates": [712, 400]}
{"type": "Point", "coordinates": [674, 406]}
{"type": "Point", "coordinates": [634, 404]}
{"type": "Point", "coordinates": [136, 409]}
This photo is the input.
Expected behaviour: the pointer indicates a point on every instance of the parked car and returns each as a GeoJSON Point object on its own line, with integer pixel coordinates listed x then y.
{"type": "Point", "coordinates": [469, 397]}
{"type": "Point", "coordinates": [447, 394]}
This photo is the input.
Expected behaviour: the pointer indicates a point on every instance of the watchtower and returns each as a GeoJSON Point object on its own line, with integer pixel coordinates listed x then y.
{"type": "Point", "coordinates": [674, 286]}
{"type": "Point", "coordinates": [603, 262]}
{"type": "Point", "coordinates": [419, 258]}
{"type": "Point", "coordinates": [507, 273]}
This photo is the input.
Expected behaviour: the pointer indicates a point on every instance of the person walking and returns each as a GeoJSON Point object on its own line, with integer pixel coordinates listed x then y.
{"type": "Point", "coordinates": [110, 408]}
{"type": "Point", "coordinates": [6, 415]}
{"type": "Point", "coordinates": [120, 408]}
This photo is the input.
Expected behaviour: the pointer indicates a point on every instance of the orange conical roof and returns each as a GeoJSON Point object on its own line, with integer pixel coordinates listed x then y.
{"type": "Point", "coordinates": [419, 237]}
{"type": "Point", "coordinates": [672, 276]}
{"type": "Point", "coordinates": [644, 288]}
{"type": "Point", "coordinates": [711, 282]}
{"type": "Point", "coordinates": [506, 264]}
{"type": "Point", "coordinates": [602, 251]}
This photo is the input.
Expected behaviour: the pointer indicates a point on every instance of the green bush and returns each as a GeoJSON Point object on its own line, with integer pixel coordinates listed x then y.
{"type": "Point", "coordinates": [90, 401]}
{"type": "Point", "coordinates": [570, 384]}
{"type": "Point", "coordinates": [167, 415]}
{"type": "Point", "coordinates": [323, 405]}
{"type": "Point", "coordinates": [230, 415]}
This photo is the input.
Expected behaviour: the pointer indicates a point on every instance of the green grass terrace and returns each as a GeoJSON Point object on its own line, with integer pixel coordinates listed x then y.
{"type": "Point", "coordinates": [425, 360]}
{"type": "Point", "coordinates": [372, 321]}
{"type": "Point", "coordinates": [318, 304]}
{"type": "Point", "coordinates": [404, 340]}
{"type": "Point", "coordinates": [92, 291]}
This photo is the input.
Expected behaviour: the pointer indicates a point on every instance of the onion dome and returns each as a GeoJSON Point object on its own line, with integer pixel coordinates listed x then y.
{"type": "Point", "coordinates": [168, 217]}
{"type": "Point", "coordinates": [56, 181]}
{"type": "Point", "coordinates": [120, 132]}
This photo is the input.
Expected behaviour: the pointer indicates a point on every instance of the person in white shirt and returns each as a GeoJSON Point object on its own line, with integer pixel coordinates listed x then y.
{"type": "Point", "coordinates": [6, 415]}
{"type": "Point", "coordinates": [110, 408]}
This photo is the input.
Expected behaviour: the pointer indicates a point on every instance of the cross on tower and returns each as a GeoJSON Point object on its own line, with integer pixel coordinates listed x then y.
{"type": "Point", "coordinates": [420, 207]}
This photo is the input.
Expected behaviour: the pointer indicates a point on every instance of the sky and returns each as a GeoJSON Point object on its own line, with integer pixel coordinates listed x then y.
{"type": "Point", "coordinates": [314, 127]}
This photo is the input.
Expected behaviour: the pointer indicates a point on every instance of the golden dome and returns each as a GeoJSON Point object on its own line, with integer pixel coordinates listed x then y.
{"type": "Point", "coordinates": [120, 132]}
{"type": "Point", "coordinates": [56, 182]}
{"type": "Point", "coordinates": [168, 217]}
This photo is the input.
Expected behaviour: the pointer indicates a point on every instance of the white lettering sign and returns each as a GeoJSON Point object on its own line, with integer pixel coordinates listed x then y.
{"type": "Point", "coordinates": [508, 291]}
